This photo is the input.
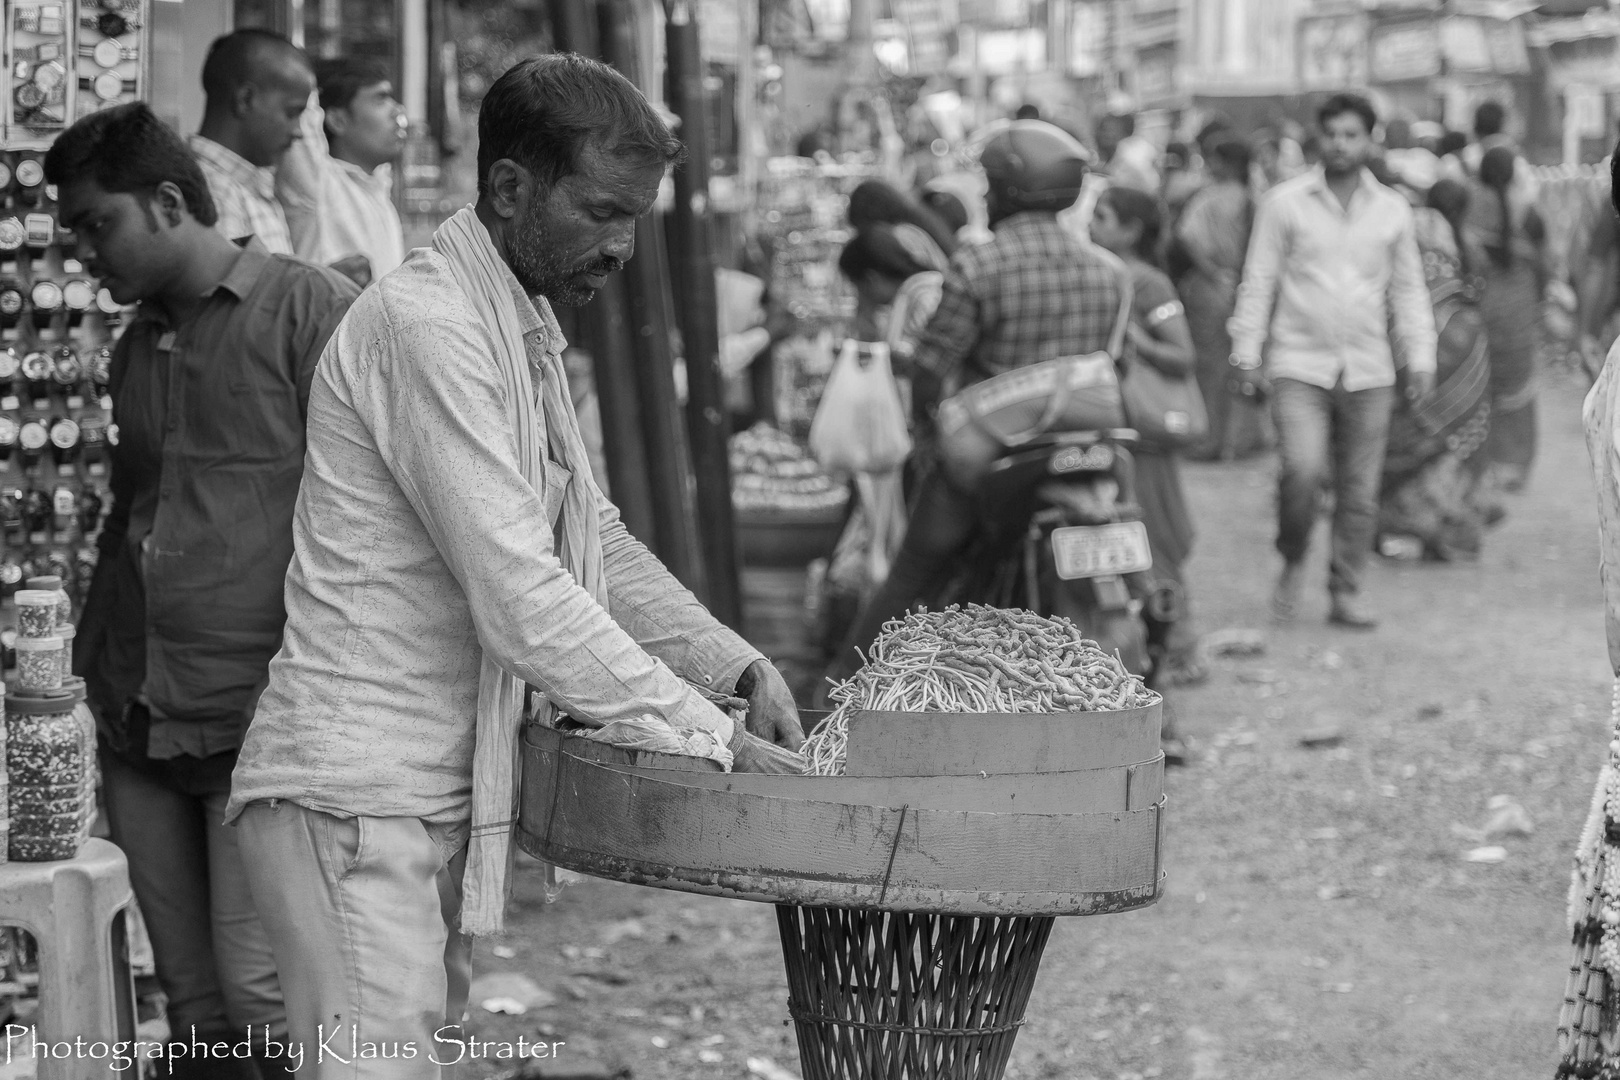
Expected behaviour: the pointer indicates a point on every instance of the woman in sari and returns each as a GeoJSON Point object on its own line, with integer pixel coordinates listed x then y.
{"type": "Point", "coordinates": [1512, 235]}
{"type": "Point", "coordinates": [1212, 238]}
{"type": "Point", "coordinates": [1435, 491]}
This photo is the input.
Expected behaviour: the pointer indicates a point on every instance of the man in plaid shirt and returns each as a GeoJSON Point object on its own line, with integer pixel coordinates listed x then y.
{"type": "Point", "coordinates": [1030, 294]}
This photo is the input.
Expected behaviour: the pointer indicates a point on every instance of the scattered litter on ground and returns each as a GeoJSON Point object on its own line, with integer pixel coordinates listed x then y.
{"type": "Point", "coordinates": [1327, 735]}
{"type": "Point", "coordinates": [615, 932]}
{"type": "Point", "coordinates": [509, 992]}
{"type": "Point", "coordinates": [503, 952]}
{"type": "Point", "coordinates": [1508, 818]}
{"type": "Point", "coordinates": [767, 1069]}
{"type": "Point", "coordinates": [1235, 641]}
{"type": "Point", "coordinates": [1489, 854]}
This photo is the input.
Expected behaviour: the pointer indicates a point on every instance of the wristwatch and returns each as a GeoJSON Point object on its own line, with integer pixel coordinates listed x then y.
{"type": "Point", "coordinates": [109, 52]}
{"type": "Point", "coordinates": [109, 86]}
{"type": "Point", "coordinates": [111, 24]}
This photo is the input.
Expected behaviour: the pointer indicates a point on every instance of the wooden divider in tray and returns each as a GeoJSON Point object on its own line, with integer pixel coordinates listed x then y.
{"type": "Point", "coordinates": [953, 813]}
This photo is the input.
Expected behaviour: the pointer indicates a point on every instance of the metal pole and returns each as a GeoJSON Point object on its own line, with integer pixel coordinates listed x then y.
{"type": "Point", "coordinates": [692, 243]}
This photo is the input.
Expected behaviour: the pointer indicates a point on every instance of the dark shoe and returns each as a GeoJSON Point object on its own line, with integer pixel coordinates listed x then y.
{"type": "Point", "coordinates": [1350, 612]}
{"type": "Point", "coordinates": [1285, 600]}
{"type": "Point", "coordinates": [1176, 752]}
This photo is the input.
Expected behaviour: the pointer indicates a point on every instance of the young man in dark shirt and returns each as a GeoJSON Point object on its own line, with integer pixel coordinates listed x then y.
{"type": "Point", "coordinates": [210, 383]}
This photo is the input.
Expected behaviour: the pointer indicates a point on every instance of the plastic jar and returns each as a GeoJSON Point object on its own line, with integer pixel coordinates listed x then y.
{"type": "Point", "coordinates": [46, 765]}
{"type": "Point", "coordinates": [67, 632]}
{"type": "Point", "coordinates": [52, 583]}
{"type": "Point", "coordinates": [39, 665]}
{"type": "Point", "coordinates": [36, 613]}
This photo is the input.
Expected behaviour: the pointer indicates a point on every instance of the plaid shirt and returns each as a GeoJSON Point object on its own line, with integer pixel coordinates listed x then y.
{"type": "Point", "coordinates": [244, 195]}
{"type": "Point", "coordinates": [1030, 294]}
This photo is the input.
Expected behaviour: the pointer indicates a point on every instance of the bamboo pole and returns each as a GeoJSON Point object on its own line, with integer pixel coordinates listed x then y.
{"type": "Point", "coordinates": [605, 335]}
{"type": "Point", "coordinates": [692, 252]}
{"type": "Point", "coordinates": [647, 283]}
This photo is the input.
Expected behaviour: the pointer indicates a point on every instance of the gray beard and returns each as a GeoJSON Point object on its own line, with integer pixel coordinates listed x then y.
{"type": "Point", "coordinates": [539, 269]}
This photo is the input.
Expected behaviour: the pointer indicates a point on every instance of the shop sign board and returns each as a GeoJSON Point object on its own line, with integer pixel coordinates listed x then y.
{"type": "Point", "coordinates": [720, 31]}
{"type": "Point", "coordinates": [1155, 73]}
{"type": "Point", "coordinates": [1332, 51]}
{"type": "Point", "coordinates": [1404, 51]}
{"type": "Point", "coordinates": [1583, 110]}
{"type": "Point", "coordinates": [1509, 53]}
{"type": "Point", "coordinates": [925, 22]}
{"type": "Point", "coordinates": [1088, 39]}
{"type": "Point", "coordinates": [1012, 52]}
{"type": "Point", "coordinates": [1466, 48]}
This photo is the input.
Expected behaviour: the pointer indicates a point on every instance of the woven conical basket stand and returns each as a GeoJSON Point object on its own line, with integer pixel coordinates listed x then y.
{"type": "Point", "coordinates": [888, 995]}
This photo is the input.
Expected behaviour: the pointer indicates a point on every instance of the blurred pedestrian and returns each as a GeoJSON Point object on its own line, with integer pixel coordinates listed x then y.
{"type": "Point", "coordinates": [1128, 223]}
{"type": "Point", "coordinates": [1510, 231]}
{"type": "Point", "coordinates": [1128, 159]}
{"type": "Point", "coordinates": [876, 201]}
{"type": "Point", "coordinates": [1435, 493]}
{"type": "Point", "coordinates": [257, 85]}
{"type": "Point", "coordinates": [210, 386]}
{"type": "Point", "coordinates": [336, 183]}
{"type": "Point", "coordinates": [1332, 264]}
{"type": "Point", "coordinates": [897, 286]}
{"type": "Point", "coordinates": [1213, 234]}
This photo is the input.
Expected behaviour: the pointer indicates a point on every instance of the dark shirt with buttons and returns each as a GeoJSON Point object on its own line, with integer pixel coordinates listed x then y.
{"type": "Point", "coordinates": [186, 610]}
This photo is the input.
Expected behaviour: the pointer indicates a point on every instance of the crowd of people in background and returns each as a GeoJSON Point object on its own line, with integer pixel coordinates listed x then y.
{"type": "Point", "coordinates": [1235, 241]}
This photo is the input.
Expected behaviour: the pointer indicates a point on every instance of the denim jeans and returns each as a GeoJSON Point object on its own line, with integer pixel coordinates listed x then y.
{"type": "Point", "coordinates": [213, 959]}
{"type": "Point", "coordinates": [361, 913]}
{"type": "Point", "coordinates": [1331, 437]}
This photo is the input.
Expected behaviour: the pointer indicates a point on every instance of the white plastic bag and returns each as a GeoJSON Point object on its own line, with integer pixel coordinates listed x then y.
{"type": "Point", "coordinates": [860, 425]}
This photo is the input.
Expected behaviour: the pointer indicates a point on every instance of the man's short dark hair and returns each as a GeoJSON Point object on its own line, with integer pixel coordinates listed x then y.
{"type": "Point", "coordinates": [343, 77]}
{"type": "Point", "coordinates": [544, 110]}
{"type": "Point", "coordinates": [127, 150]}
{"type": "Point", "coordinates": [1125, 122]}
{"type": "Point", "coordinates": [234, 59]}
{"type": "Point", "coordinates": [1234, 153]}
{"type": "Point", "coordinates": [1339, 104]}
{"type": "Point", "coordinates": [1489, 119]}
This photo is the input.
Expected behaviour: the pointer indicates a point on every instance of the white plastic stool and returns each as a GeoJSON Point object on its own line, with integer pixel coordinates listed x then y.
{"type": "Point", "coordinates": [72, 908]}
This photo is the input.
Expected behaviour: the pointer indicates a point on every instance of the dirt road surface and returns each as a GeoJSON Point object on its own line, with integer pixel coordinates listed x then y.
{"type": "Point", "coordinates": [1320, 919]}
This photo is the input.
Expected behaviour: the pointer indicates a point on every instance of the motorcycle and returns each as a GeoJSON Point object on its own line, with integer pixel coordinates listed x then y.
{"type": "Point", "coordinates": [1061, 535]}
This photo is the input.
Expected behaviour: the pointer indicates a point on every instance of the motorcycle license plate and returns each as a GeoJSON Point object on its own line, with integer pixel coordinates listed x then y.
{"type": "Point", "coordinates": [1085, 551]}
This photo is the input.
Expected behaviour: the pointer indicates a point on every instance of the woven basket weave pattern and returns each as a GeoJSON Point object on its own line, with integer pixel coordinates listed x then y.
{"type": "Point", "coordinates": [886, 995]}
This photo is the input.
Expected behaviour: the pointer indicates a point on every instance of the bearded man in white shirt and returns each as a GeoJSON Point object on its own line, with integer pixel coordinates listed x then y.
{"type": "Point", "coordinates": [337, 182]}
{"type": "Point", "coordinates": [456, 570]}
{"type": "Point", "coordinates": [1332, 264]}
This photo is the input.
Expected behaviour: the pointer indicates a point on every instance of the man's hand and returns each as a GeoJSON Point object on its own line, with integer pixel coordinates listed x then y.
{"type": "Point", "coordinates": [772, 715]}
{"type": "Point", "coordinates": [1419, 385]}
{"type": "Point", "coordinates": [750, 753]}
{"type": "Point", "coordinates": [357, 268]}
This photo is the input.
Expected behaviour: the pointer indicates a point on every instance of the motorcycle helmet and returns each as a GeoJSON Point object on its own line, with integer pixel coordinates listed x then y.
{"type": "Point", "coordinates": [1033, 165]}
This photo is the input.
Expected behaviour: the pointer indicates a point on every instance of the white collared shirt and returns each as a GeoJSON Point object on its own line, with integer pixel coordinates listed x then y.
{"type": "Point", "coordinates": [419, 549]}
{"type": "Point", "coordinates": [335, 208]}
{"type": "Point", "coordinates": [244, 195]}
{"type": "Point", "coordinates": [1323, 282]}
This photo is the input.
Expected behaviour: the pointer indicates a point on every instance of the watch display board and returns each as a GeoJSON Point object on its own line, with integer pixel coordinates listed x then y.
{"type": "Point", "coordinates": [64, 60]}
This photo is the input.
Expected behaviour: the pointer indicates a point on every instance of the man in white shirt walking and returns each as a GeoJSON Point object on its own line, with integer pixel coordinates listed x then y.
{"type": "Point", "coordinates": [1332, 263]}
{"type": "Point", "coordinates": [336, 183]}
{"type": "Point", "coordinates": [257, 84]}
